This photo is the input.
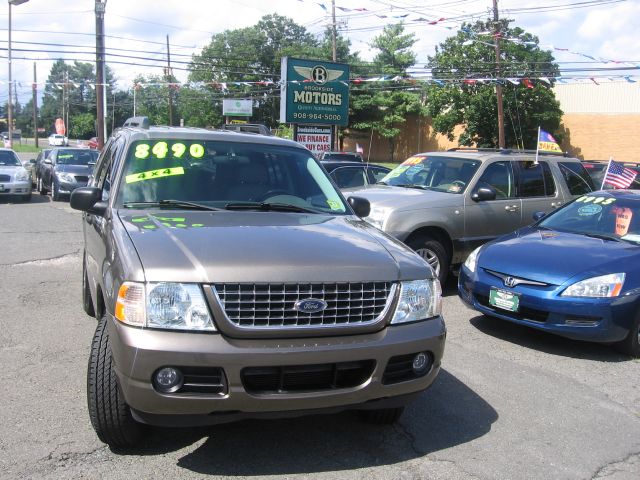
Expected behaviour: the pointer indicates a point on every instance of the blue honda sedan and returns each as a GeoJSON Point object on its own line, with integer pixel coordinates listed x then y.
{"type": "Point", "coordinates": [575, 272]}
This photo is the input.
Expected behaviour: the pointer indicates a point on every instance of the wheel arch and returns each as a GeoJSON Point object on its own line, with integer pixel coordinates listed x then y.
{"type": "Point", "coordinates": [436, 233]}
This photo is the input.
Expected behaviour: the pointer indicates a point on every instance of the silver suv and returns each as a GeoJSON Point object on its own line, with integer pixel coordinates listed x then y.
{"type": "Point", "coordinates": [231, 279]}
{"type": "Point", "coordinates": [445, 204]}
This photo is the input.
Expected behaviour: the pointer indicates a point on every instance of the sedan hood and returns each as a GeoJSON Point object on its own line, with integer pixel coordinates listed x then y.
{"type": "Point", "coordinates": [75, 169]}
{"type": "Point", "coordinates": [266, 247]}
{"type": "Point", "coordinates": [556, 257]}
{"type": "Point", "coordinates": [403, 198]}
{"type": "Point", "coordinates": [11, 169]}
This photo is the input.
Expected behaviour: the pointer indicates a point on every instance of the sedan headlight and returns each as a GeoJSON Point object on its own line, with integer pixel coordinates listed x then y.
{"type": "Point", "coordinates": [604, 286]}
{"type": "Point", "coordinates": [22, 176]}
{"type": "Point", "coordinates": [173, 306]}
{"type": "Point", "coordinates": [377, 217]}
{"type": "Point", "coordinates": [419, 300]}
{"type": "Point", "coordinates": [472, 260]}
{"type": "Point", "coordinates": [66, 177]}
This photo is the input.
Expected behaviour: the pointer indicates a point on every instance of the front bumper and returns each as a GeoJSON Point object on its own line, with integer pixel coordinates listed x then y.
{"type": "Point", "coordinates": [138, 353]}
{"type": "Point", "coordinates": [591, 319]}
{"type": "Point", "coordinates": [68, 187]}
{"type": "Point", "coordinates": [16, 188]}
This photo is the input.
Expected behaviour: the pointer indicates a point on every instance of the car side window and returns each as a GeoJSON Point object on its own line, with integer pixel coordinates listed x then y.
{"type": "Point", "coordinates": [499, 177]}
{"type": "Point", "coordinates": [531, 179]}
{"type": "Point", "coordinates": [549, 183]}
{"type": "Point", "coordinates": [377, 174]}
{"type": "Point", "coordinates": [103, 171]}
{"type": "Point", "coordinates": [578, 179]}
{"type": "Point", "coordinates": [347, 177]}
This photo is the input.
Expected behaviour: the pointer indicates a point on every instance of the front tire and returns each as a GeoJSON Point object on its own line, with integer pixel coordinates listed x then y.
{"type": "Point", "coordinates": [110, 415]}
{"type": "Point", "coordinates": [40, 187]}
{"type": "Point", "coordinates": [631, 344]}
{"type": "Point", "coordinates": [434, 253]}
{"type": "Point", "coordinates": [55, 191]}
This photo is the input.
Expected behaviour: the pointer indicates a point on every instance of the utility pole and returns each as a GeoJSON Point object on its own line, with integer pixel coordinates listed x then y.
{"type": "Point", "coordinates": [334, 49]}
{"type": "Point", "coordinates": [168, 76]}
{"type": "Point", "coordinates": [35, 105]}
{"type": "Point", "coordinates": [100, 80]}
{"type": "Point", "coordinates": [496, 40]}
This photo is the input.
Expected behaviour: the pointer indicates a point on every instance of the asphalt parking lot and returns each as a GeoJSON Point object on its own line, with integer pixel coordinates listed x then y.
{"type": "Point", "coordinates": [509, 403]}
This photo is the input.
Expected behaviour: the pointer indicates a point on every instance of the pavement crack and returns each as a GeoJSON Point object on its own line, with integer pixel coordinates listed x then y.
{"type": "Point", "coordinates": [616, 466]}
{"type": "Point", "coordinates": [51, 261]}
{"type": "Point", "coordinates": [402, 430]}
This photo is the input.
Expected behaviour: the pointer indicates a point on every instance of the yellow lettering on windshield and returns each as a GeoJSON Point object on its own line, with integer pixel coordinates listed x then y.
{"type": "Point", "coordinates": [153, 174]}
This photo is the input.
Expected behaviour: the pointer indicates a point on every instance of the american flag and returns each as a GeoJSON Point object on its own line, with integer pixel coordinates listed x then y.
{"type": "Point", "coordinates": [619, 176]}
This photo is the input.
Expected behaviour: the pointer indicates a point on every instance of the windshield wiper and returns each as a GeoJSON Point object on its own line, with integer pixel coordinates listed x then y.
{"type": "Point", "coordinates": [265, 206]}
{"type": "Point", "coordinates": [170, 203]}
{"type": "Point", "coordinates": [602, 236]}
{"type": "Point", "coordinates": [412, 185]}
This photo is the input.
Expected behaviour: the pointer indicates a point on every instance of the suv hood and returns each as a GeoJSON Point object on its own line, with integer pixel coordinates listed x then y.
{"type": "Point", "coordinates": [266, 247]}
{"type": "Point", "coordinates": [403, 198]}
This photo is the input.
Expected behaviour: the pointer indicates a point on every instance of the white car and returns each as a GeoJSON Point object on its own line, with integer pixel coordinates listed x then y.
{"type": "Point", "coordinates": [14, 178]}
{"type": "Point", "coordinates": [57, 140]}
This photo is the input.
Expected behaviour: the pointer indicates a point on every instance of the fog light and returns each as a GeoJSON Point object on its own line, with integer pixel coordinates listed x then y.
{"type": "Point", "coordinates": [420, 363]}
{"type": "Point", "coordinates": [168, 380]}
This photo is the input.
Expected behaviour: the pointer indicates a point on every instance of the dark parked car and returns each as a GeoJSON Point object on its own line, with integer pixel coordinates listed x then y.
{"type": "Point", "coordinates": [232, 280]}
{"type": "Point", "coordinates": [354, 174]}
{"type": "Point", "coordinates": [38, 165]}
{"type": "Point", "coordinates": [66, 169]}
{"type": "Point", "coordinates": [340, 156]}
{"type": "Point", "coordinates": [597, 168]}
{"type": "Point", "coordinates": [574, 273]}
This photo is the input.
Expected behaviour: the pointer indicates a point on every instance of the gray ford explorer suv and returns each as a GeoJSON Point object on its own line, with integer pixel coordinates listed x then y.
{"type": "Point", "coordinates": [231, 279]}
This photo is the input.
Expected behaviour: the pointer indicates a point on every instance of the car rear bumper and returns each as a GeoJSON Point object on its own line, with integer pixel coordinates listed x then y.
{"type": "Point", "coordinates": [139, 353]}
{"type": "Point", "coordinates": [591, 319]}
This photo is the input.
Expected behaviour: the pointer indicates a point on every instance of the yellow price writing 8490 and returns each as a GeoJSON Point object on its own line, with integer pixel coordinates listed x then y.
{"type": "Point", "coordinates": [163, 150]}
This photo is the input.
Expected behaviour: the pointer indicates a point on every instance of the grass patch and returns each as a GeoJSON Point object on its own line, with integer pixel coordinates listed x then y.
{"type": "Point", "coordinates": [26, 148]}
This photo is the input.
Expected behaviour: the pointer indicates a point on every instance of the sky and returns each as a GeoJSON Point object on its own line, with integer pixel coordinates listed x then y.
{"type": "Point", "coordinates": [605, 30]}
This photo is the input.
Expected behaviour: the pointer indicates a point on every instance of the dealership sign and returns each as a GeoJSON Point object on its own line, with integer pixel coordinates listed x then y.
{"type": "Point", "coordinates": [314, 92]}
{"type": "Point", "coordinates": [316, 138]}
{"type": "Point", "coordinates": [237, 108]}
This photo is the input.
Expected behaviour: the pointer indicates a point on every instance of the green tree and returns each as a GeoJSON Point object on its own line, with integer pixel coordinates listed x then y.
{"type": "Point", "coordinates": [82, 125]}
{"type": "Point", "coordinates": [200, 107]}
{"type": "Point", "coordinates": [152, 98]}
{"type": "Point", "coordinates": [461, 100]}
{"type": "Point", "coordinates": [384, 107]}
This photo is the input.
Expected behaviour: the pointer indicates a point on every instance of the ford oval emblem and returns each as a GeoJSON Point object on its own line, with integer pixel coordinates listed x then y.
{"type": "Point", "coordinates": [310, 305]}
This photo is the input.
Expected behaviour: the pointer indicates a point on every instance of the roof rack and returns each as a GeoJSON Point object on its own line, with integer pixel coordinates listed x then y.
{"type": "Point", "coordinates": [505, 151]}
{"type": "Point", "coordinates": [142, 122]}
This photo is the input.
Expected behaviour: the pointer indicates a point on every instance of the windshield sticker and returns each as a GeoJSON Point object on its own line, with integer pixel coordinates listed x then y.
{"type": "Point", "coordinates": [161, 150]}
{"type": "Point", "coordinates": [398, 171]}
{"type": "Point", "coordinates": [153, 174]}
{"type": "Point", "coordinates": [600, 200]}
{"type": "Point", "coordinates": [334, 205]}
{"type": "Point", "coordinates": [413, 161]}
{"type": "Point", "coordinates": [589, 210]}
{"type": "Point", "coordinates": [623, 220]}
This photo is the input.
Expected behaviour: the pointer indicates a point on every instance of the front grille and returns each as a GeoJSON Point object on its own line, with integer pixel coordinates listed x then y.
{"type": "Point", "coordinates": [523, 313]}
{"type": "Point", "coordinates": [273, 305]}
{"type": "Point", "coordinates": [5, 178]}
{"type": "Point", "coordinates": [400, 369]}
{"type": "Point", "coordinates": [82, 178]}
{"type": "Point", "coordinates": [306, 378]}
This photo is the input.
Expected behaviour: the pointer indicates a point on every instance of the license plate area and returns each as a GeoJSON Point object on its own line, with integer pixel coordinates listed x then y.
{"type": "Point", "coordinates": [504, 299]}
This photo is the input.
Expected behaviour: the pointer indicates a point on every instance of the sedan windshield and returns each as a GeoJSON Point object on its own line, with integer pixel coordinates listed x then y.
{"type": "Point", "coordinates": [249, 176]}
{"type": "Point", "coordinates": [76, 157]}
{"type": "Point", "coordinates": [601, 216]}
{"type": "Point", "coordinates": [8, 158]}
{"type": "Point", "coordinates": [445, 174]}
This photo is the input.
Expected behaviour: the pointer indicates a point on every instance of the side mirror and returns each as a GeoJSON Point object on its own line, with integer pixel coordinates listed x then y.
{"type": "Point", "coordinates": [483, 194]}
{"type": "Point", "coordinates": [48, 161]}
{"type": "Point", "coordinates": [361, 206]}
{"type": "Point", "coordinates": [88, 199]}
{"type": "Point", "coordinates": [33, 160]}
{"type": "Point", "coordinates": [538, 215]}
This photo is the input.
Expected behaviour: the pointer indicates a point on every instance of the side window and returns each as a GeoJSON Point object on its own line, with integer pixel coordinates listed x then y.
{"type": "Point", "coordinates": [347, 177]}
{"type": "Point", "coordinates": [578, 180]}
{"type": "Point", "coordinates": [549, 183]}
{"type": "Point", "coordinates": [376, 174]}
{"type": "Point", "coordinates": [498, 176]}
{"type": "Point", "coordinates": [103, 177]}
{"type": "Point", "coordinates": [531, 179]}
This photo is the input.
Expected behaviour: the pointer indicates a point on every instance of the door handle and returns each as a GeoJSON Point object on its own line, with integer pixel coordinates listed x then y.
{"type": "Point", "coordinates": [556, 204]}
{"type": "Point", "coordinates": [511, 208]}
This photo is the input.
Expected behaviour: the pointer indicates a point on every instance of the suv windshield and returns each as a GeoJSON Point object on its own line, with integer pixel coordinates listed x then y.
{"type": "Point", "coordinates": [76, 157]}
{"type": "Point", "coordinates": [445, 174]}
{"type": "Point", "coordinates": [223, 174]}
{"type": "Point", "coordinates": [8, 158]}
{"type": "Point", "coordinates": [603, 216]}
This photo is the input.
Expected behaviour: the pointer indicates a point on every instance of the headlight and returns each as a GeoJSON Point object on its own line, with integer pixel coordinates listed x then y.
{"type": "Point", "coordinates": [377, 217]}
{"type": "Point", "coordinates": [472, 260]}
{"type": "Point", "coordinates": [175, 306]}
{"type": "Point", "coordinates": [419, 300]}
{"type": "Point", "coordinates": [66, 177]}
{"type": "Point", "coordinates": [597, 287]}
{"type": "Point", "coordinates": [22, 176]}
